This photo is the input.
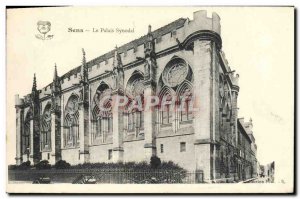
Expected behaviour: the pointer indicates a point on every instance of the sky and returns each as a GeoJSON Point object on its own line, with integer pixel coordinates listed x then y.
{"type": "Point", "coordinates": [258, 44]}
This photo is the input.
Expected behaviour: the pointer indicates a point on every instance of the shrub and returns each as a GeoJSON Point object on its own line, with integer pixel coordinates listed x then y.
{"type": "Point", "coordinates": [23, 166]}
{"type": "Point", "coordinates": [62, 164]}
{"type": "Point", "coordinates": [44, 164]}
{"type": "Point", "coordinates": [155, 162]}
{"type": "Point", "coordinates": [170, 166]}
{"type": "Point", "coordinates": [131, 166]}
{"type": "Point", "coordinates": [12, 167]}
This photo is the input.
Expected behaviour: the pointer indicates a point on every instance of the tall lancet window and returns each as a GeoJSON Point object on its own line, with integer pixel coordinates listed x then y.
{"type": "Point", "coordinates": [135, 116]}
{"type": "Point", "coordinates": [185, 96]}
{"type": "Point", "coordinates": [46, 129]}
{"type": "Point", "coordinates": [26, 134]}
{"type": "Point", "coordinates": [102, 121]}
{"type": "Point", "coordinates": [134, 110]}
{"type": "Point", "coordinates": [106, 119]}
{"type": "Point", "coordinates": [166, 109]}
{"type": "Point", "coordinates": [71, 124]}
{"type": "Point", "coordinates": [130, 118]}
{"type": "Point", "coordinates": [140, 119]}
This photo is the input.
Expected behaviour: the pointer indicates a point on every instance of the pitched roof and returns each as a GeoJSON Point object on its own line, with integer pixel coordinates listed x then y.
{"type": "Point", "coordinates": [157, 33]}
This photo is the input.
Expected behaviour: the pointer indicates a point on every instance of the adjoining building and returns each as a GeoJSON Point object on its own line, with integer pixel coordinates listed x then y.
{"type": "Point", "coordinates": [247, 162]}
{"type": "Point", "coordinates": [184, 58]}
{"type": "Point", "coordinates": [268, 171]}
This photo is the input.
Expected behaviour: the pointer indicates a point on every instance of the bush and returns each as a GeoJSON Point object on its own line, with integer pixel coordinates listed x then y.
{"type": "Point", "coordinates": [62, 164]}
{"type": "Point", "coordinates": [12, 167]}
{"type": "Point", "coordinates": [23, 166]}
{"type": "Point", "coordinates": [170, 166]}
{"type": "Point", "coordinates": [44, 164]}
{"type": "Point", "coordinates": [155, 162]}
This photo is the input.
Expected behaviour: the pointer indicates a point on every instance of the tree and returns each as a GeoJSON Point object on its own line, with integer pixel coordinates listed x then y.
{"type": "Point", "coordinates": [155, 162]}
{"type": "Point", "coordinates": [44, 164]}
{"type": "Point", "coordinates": [62, 164]}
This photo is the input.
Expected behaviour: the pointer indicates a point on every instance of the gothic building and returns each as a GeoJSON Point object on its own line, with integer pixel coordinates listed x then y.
{"type": "Point", "coordinates": [184, 58]}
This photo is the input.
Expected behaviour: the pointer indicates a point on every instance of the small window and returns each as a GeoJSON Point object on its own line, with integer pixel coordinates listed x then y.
{"type": "Point", "coordinates": [48, 156]}
{"type": "Point", "coordinates": [110, 154]}
{"type": "Point", "coordinates": [182, 146]}
{"type": "Point", "coordinates": [161, 148]}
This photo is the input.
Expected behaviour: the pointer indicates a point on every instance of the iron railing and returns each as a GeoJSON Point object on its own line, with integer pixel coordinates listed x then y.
{"type": "Point", "coordinates": [109, 176]}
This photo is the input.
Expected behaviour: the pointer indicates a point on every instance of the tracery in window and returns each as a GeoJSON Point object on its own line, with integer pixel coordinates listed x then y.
{"type": "Point", "coordinates": [102, 121]}
{"type": "Point", "coordinates": [26, 134]}
{"type": "Point", "coordinates": [166, 108]}
{"type": "Point", "coordinates": [185, 101]}
{"type": "Point", "coordinates": [46, 129]}
{"type": "Point", "coordinates": [71, 124]}
{"type": "Point", "coordinates": [134, 110]}
{"type": "Point", "coordinates": [176, 85]}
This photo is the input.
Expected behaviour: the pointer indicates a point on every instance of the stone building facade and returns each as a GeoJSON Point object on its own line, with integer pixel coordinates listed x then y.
{"type": "Point", "coordinates": [247, 162]}
{"type": "Point", "coordinates": [184, 58]}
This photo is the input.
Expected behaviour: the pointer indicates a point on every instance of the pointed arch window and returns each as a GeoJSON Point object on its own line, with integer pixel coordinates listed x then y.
{"type": "Point", "coordinates": [186, 106]}
{"type": "Point", "coordinates": [133, 112]}
{"type": "Point", "coordinates": [102, 122]}
{"type": "Point", "coordinates": [176, 80]}
{"type": "Point", "coordinates": [140, 119]}
{"type": "Point", "coordinates": [131, 119]}
{"type": "Point", "coordinates": [26, 134]}
{"type": "Point", "coordinates": [135, 116]}
{"type": "Point", "coordinates": [106, 120]}
{"type": "Point", "coordinates": [71, 124]}
{"type": "Point", "coordinates": [46, 129]}
{"type": "Point", "coordinates": [166, 109]}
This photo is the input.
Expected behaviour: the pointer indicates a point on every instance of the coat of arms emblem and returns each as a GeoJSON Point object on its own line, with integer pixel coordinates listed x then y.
{"type": "Point", "coordinates": [43, 27]}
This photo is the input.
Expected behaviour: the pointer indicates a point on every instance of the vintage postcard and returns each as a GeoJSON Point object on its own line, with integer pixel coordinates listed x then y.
{"type": "Point", "coordinates": [150, 100]}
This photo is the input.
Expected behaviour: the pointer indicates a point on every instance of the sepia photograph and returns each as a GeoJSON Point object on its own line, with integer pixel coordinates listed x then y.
{"type": "Point", "coordinates": [150, 99]}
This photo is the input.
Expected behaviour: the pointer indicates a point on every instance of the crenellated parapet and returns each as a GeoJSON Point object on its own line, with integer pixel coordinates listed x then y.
{"type": "Point", "coordinates": [202, 27]}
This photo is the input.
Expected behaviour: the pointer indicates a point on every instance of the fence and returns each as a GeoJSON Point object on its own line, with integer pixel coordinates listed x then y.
{"type": "Point", "coordinates": [109, 177]}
